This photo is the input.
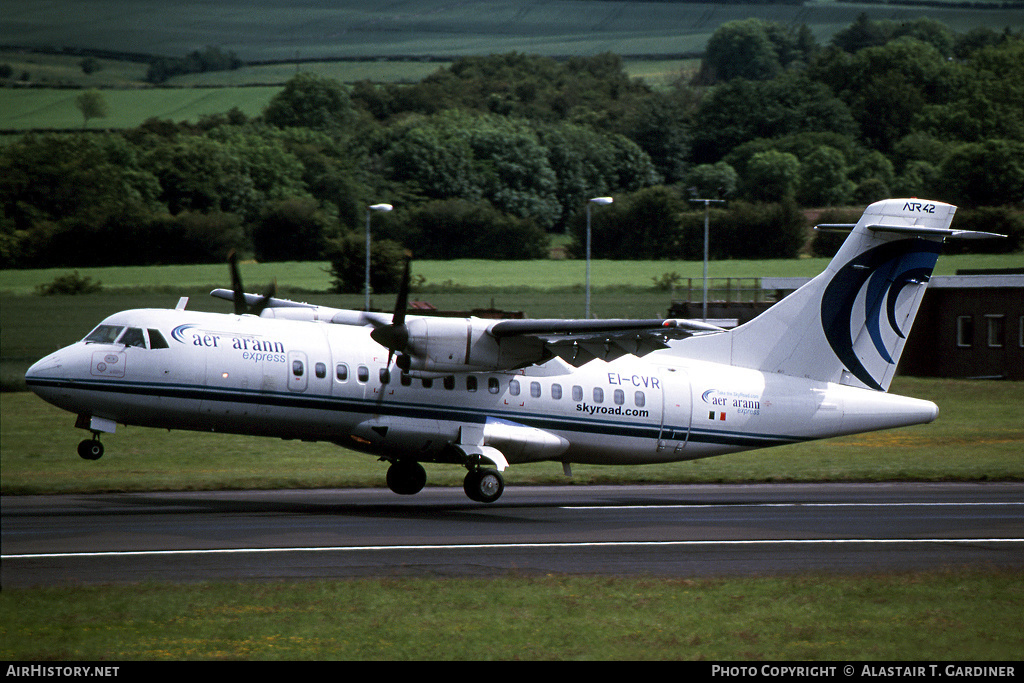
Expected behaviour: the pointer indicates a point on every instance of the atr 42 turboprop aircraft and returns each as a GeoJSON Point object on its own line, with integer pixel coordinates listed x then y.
{"type": "Point", "coordinates": [485, 394]}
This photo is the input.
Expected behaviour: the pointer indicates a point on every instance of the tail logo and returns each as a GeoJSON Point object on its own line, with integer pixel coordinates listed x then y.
{"type": "Point", "coordinates": [882, 273]}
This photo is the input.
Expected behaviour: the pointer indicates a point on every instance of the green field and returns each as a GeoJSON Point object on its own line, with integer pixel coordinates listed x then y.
{"type": "Point", "coordinates": [265, 30]}
{"type": "Point", "coordinates": [349, 42]}
{"type": "Point", "coordinates": [963, 616]}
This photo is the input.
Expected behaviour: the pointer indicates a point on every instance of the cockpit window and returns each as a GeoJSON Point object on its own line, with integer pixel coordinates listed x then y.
{"type": "Point", "coordinates": [156, 340]}
{"type": "Point", "coordinates": [104, 334]}
{"type": "Point", "coordinates": [133, 337]}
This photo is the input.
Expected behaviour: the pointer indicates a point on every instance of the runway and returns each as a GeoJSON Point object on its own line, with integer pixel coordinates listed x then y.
{"type": "Point", "coordinates": [670, 531]}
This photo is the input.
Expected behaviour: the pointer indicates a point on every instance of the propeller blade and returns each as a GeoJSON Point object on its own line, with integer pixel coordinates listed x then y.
{"type": "Point", "coordinates": [395, 337]}
{"type": "Point", "coordinates": [402, 302]}
{"type": "Point", "coordinates": [238, 291]}
{"type": "Point", "coordinates": [264, 301]}
{"type": "Point", "coordinates": [236, 284]}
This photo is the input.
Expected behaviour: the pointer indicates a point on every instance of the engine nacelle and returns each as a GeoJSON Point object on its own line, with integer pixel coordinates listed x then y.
{"type": "Point", "coordinates": [445, 345]}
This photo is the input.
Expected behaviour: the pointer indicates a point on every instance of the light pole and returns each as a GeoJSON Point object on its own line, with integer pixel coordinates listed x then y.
{"type": "Point", "coordinates": [369, 210]}
{"type": "Point", "coordinates": [707, 203]}
{"type": "Point", "coordinates": [603, 201]}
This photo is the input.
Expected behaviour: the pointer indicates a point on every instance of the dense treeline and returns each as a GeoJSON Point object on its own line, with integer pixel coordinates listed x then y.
{"type": "Point", "coordinates": [489, 156]}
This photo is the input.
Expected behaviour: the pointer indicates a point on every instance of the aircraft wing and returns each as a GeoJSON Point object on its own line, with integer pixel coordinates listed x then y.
{"type": "Point", "coordinates": [580, 341]}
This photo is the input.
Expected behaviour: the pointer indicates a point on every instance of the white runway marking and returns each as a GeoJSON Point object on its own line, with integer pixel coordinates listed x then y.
{"type": "Point", "coordinates": [511, 546]}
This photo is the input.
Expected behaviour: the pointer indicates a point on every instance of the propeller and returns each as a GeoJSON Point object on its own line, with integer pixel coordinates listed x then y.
{"type": "Point", "coordinates": [242, 306]}
{"type": "Point", "coordinates": [395, 337]}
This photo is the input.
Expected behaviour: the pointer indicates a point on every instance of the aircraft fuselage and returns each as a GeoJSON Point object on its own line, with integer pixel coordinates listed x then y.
{"type": "Point", "coordinates": [321, 382]}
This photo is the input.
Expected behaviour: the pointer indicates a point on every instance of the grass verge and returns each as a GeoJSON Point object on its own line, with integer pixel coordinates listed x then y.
{"type": "Point", "coordinates": [937, 616]}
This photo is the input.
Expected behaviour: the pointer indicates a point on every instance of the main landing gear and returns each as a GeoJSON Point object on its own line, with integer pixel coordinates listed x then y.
{"type": "Point", "coordinates": [91, 449]}
{"type": "Point", "coordinates": [407, 477]}
{"type": "Point", "coordinates": [483, 485]}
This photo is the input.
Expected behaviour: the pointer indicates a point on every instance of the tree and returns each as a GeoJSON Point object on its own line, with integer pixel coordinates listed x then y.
{"type": "Point", "coordinates": [753, 49]}
{"type": "Point", "coordinates": [311, 101]}
{"type": "Point", "coordinates": [712, 181]}
{"type": "Point", "coordinates": [740, 111]}
{"type": "Point", "coordinates": [640, 225]}
{"type": "Point", "coordinates": [984, 174]}
{"type": "Point", "coordinates": [291, 230]}
{"type": "Point", "coordinates": [347, 255]}
{"type": "Point", "coordinates": [772, 176]}
{"type": "Point", "coordinates": [455, 228]}
{"type": "Point", "coordinates": [93, 105]}
{"type": "Point", "coordinates": [823, 179]}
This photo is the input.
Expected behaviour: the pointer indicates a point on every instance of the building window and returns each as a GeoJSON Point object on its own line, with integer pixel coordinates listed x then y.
{"type": "Point", "coordinates": [996, 330]}
{"type": "Point", "coordinates": [965, 331]}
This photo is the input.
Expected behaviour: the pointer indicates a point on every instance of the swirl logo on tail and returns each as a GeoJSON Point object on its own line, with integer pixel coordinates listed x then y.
{"type": "Point", "coordinates": [883, 273]}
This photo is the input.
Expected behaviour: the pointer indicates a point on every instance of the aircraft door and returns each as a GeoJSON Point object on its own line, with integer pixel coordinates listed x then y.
{"type": "Point", "coordinates": [298, 371]}
{"type": "Point", "coordinates": [676, 410]}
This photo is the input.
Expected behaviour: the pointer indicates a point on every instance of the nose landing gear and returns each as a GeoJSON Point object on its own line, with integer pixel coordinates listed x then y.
{"type": "Point", "coordinates": [91, 449]}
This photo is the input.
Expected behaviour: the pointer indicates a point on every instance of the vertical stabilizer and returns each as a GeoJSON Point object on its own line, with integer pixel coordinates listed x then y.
{"type": "Point", "coordinates": [848, 325]}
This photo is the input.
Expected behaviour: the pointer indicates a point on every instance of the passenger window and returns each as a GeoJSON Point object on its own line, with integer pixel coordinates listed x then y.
{"type": "Point", "coordinates": [133, 337]}
{"type": "Point", "coordinates": [640, 399]}
{"type": "Point", "coordinates": [297, 368]}
{"type": "Point", "coordinates": [577, 393]}
{"type": "Point", "coordinates": [598, 395]}
{"type": "Point", "coordinates": [493, 385]}
{"type": "Point", "coordinates": [341, 372]}
{"type": "Point", "coordinates": [619, 397]}
{"type": "Point", "coordinates": [428, 382]}
{"type": "Point", "coordinates": [405, 380]}
{"type": "Point", "coordinates": [470, 382]}
{"type": "Point", "coordinates": [156, 340]}
{"type": "Point", "coordinates": [363, 374]}
{"type": "Point", "coordinates": [104, 334]}
{"type": "Point", "coordinates": [385, 375]}
{"type": "Point", "coordinates": [556, 391]}
{"type": "Point", "coordinates": [535, 389]}
{"type": "Point", "coordinates": [449, 382]}
{"type": "Point", "coordinates": [320, 369]}
{"type": "Point", "coordinates": [513, 387]}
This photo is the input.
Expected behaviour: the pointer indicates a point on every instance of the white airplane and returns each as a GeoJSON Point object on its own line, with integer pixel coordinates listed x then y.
{"type": "Point", "coordinates": [485, 394]}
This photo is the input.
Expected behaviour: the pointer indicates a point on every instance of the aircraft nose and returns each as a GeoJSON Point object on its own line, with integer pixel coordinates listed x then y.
{"type": "Point", "coordinates": [46, 367]}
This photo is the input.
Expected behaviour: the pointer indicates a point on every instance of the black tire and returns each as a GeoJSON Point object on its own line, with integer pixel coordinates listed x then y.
{"type": "Point", "coordinates": [90, 449]}
{"type": "Point", "coordinates": [406, 478]}
{"type": "Point", "coordinates": [484, 486]}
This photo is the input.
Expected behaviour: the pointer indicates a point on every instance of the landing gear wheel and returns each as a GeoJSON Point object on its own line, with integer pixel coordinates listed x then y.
{"type": "Point", "coordinates": [406, 477]}
{"type": "Point", "coordinates": [483, 486]}
{"type": "Point", "coordinates": [90, 449]}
